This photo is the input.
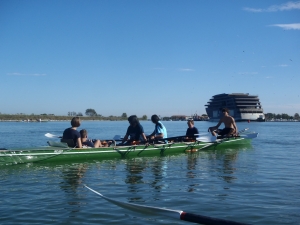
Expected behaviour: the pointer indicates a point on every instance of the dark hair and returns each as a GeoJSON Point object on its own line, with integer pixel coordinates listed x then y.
{"type": "Point", "coordinates": [155, 119]}
{"type": "Point", "coordinates": [83, 133]}
{"type": "Point", "coordinates": [225, 110]}
{"type": "Point", "coordinates": [75, 122]}
{"type": "Point", "coordinates": [191, 121]}
{"type": "Point", "coordinates": [133, 119]}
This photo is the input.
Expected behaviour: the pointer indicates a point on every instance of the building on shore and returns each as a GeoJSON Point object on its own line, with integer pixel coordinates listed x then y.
{"type": "Point", "coordinates": [197, 117]}
{"type": "Point", "coordinates": [179, 117]}
{"type": "Point", "coordinates": [194, 117]}
{"type": "Point", "coordinates": [242, 107]}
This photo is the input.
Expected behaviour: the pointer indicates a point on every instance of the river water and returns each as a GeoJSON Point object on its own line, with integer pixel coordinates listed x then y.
{"type": "Point", "coordinates": [256, 184]}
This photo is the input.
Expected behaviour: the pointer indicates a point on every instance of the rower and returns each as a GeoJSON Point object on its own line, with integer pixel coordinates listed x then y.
{"type": "Point", "coordinates": [160, 132]}
{"type": "Point", "coordinates": [230, 126]}
{"type": "Point", "coordinates": [191, 131]}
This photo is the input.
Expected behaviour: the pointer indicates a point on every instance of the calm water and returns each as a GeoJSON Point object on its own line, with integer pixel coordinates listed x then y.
{"type": "Point", "coordinates": [258, 184]}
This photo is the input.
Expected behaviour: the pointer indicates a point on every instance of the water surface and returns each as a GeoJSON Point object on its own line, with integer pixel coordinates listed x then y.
{"type": "Point", "coordinates": [257, 183]}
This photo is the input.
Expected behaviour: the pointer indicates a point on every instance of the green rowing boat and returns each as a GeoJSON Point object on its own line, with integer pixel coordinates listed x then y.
{"type": "Point", "coordinates": [58, 151]}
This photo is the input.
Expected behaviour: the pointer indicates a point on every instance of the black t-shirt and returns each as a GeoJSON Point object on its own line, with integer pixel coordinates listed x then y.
{"type": "Point", "coordinates": [135, 132]}
{"type": "Point", "coordinates": [190, 132]}
{"type": "Point", "coordinates": [70, 133]}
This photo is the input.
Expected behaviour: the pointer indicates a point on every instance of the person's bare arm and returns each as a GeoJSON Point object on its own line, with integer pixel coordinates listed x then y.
{"type": "Point", "coordinates": [217, 126]}
{"type": "Point", "coordinates": [79, 144]}
{"type": "Point", "coordinates": [159, 136]}
{"type": "Point", "coordinates": [144, 137]}
{"type": "Point", "coordinates": [235, 126]}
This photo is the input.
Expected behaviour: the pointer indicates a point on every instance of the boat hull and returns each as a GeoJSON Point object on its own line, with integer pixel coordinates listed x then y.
{"type": "Point", "coordinates": [51, 154]}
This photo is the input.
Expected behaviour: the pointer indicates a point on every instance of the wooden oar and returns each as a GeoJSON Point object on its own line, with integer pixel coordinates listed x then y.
{"type": "Point", "coordinates": [176, 214]}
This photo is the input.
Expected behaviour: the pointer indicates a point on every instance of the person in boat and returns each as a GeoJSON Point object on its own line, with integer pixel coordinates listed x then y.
{"type": "Point", "coordinates": [89, 142]}
{"type": "Point", "coordinates": [72, 133]}
{"type": "Point", "coordinates": [192, 130]}
{"type": "Point", "coordinates": [135, 132]}
{"type": "Point", "coordinates": [230, 126]}
{"type": "Point", "coordinates": [160, 132]}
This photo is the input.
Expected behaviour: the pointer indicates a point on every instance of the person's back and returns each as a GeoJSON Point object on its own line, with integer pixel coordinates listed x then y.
{"type": "Point", "coordinates": [72, 133]}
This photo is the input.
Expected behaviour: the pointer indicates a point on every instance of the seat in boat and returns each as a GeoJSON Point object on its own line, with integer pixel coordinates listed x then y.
{"type": "Point", "coordinates": [69, 142]}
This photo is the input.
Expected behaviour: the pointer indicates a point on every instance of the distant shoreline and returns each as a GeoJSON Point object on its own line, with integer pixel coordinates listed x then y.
{"type": "Point", "coordinates": [67, 120]}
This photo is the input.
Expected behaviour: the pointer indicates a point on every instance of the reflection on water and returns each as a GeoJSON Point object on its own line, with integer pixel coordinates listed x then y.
{"type": "Point", "coordinates": [139, 180]}
{"type": "Point", "coordinates": [158, 168]}
{"type": "Point", "coordinates": [141, 171]}
{"type": "Point", "coordinates": [243, 184]}
{"type": "Point", "coordinates": [228, 167]}
{"type": "Point", "coordinates": [192, 171]}
{"type": "Point", "coordinates": [153, 171]}
{"type": "Point", "coordinates": [134, 168]}
{"type": "Point", "coordinates": [71, 179]}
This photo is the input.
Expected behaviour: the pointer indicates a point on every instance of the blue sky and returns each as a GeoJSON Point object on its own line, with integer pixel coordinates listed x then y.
{"type": "Point", "coordinates": [147, 57]}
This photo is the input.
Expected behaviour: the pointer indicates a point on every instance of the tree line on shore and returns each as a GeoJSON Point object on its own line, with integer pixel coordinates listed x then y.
{"type": "Point", "coordinates": [47, 117]}
{"type": "Point", "coordinates": [91, 114]}
{"type": "Point", "coordinates": [283, 116]}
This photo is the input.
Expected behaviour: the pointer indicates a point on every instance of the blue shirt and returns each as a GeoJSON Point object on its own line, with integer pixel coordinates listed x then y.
{"type": "Point", "coordinates": [160, 129]}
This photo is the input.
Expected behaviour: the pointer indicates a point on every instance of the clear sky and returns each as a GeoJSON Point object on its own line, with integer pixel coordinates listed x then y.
{"type": "Point", "coordinates": [147, 57]}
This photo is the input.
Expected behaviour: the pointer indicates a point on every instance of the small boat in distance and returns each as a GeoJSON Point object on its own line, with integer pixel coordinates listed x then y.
{"type": "Point", "coordinates": [242, 107]}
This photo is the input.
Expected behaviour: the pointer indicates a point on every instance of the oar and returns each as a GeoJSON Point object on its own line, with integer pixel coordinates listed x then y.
{"type": "Point", "coordinates": [249, 136]}
{"type": "Point", "coordinates": [52, 135]}
{"type": "Point", "coordinates": [208, 138]}
{"type": "Point", "coordinates": [243, 131]}
{"type": "Point", "coordinates": [177, 214]}
{"type": "Point", "coordinates": [118, 137]}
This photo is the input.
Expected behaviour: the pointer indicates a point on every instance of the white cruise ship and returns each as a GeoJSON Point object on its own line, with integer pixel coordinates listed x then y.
{"type": "Point", "coordinates": [242, 107]}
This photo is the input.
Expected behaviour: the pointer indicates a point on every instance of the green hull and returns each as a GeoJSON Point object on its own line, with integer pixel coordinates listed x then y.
{"type": "Point", "coordinates": [59, 154]}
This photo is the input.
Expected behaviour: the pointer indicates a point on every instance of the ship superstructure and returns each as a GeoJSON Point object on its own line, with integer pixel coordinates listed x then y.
{"type": "Point", "coordinates": [242, 107]}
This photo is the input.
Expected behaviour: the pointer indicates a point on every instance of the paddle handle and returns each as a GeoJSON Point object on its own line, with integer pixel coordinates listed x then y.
{"type": "Point", "coordinates": [190, 217]}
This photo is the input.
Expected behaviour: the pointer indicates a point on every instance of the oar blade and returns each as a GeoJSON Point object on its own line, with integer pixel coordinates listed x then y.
{"type": "Point", "coordinates": [207, 139]}
{"type": "Point", "coordinates": [177, 214]}
{"type": "Point", "coordinates": [117, 137]}
{"type": "Point", "coordinates": [141, 208]}
{"type": "Point", "coordinates": [249, 136]}
{"type": "Point", "coordinates": [243, 131]}
{"type": "Point", "coordinates": [50, 135]}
